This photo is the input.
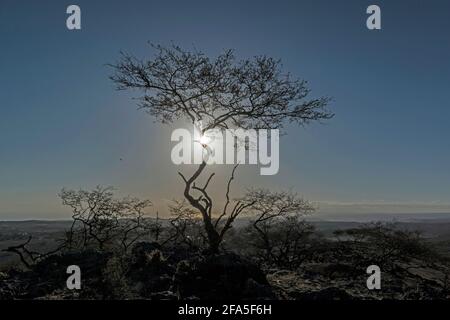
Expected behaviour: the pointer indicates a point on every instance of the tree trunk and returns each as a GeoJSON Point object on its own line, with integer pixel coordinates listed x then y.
{"type": "Point", "coordinates": [214, 238]}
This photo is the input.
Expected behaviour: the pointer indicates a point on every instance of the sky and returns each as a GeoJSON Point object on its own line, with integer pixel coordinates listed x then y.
{"type": "Point", "coordinates": [63, 124]}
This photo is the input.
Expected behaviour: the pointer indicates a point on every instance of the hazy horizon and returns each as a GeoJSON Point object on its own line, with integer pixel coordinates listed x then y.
{"type": "Point", "coordinates": [318, 216]}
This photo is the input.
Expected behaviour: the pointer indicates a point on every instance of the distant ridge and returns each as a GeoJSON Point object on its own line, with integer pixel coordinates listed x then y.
{"type": "Point", "coordinates": [366, 217]}
{"type": "Point", "coordinates": [318, 216]}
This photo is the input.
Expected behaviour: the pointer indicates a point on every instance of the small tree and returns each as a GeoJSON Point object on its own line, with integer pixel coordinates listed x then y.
{"type": "Point", "coordinates": [185, 226]}
{"type": "Point", "coordinates": [283, 243]}
{"type": "Point", "coordinates": [221, 93]}
{"type": "Point", "coordinates": [101, 221]}
{"type": "Point", "coordinates": [156, 228]}
{"type": "Point", "coordinates": [385, 244]}
{"type": "Point", "coordinates": [30, 256]}
{"type": "Point", "coordinates": [268, 209]}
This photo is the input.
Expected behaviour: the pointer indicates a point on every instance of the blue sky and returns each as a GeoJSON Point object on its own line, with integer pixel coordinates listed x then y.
{"type": "Point", "coordinates": [62, 124]}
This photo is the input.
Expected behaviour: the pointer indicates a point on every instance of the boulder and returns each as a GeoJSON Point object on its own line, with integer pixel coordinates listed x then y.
{"type": "Point", "coordinates": [221, 276]}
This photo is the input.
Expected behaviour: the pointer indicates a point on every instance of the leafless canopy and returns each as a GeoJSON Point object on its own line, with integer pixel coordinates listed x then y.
{"type": "Point", "coordinates": [221, 92]}
{"type": "Point", "coordinates": [29, 256]}
{"type": "Point", "coordinates": [100, 220]}
{"type": "Point", "coordinates": [186, 226]}
{"type": "Point", "coordinates": [268, 206]}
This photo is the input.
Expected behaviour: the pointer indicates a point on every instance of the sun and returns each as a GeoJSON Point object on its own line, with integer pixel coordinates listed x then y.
{"type": "Point", "coordinates": [204, 140]}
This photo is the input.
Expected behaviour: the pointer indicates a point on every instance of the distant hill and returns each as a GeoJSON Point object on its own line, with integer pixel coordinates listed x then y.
{"type": "Point", "coordinates": [366, 217]}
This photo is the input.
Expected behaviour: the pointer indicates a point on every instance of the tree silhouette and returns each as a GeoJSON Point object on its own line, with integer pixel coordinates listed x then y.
{"type": "Point", "coordinates": [99, 220]}
{"type": "Point", "coordinates": [268, 208]}
{"type": "Point", "coordinates": [221, 93]}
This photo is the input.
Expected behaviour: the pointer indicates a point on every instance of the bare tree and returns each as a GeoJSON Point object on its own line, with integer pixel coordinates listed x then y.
{"type": "Point", "coordinates": [186, 227]}
{"type": "Point", "coordinates": [385, 244]}
{"type": "Point", "coordinates": [156, 228]}
{"type": "Point", "coordinates": [100, 220]}
{"type": "Point", "coordinates": [29, 256]}
{"type": "Point", "coordinates": [284, 242]}
{"type": "Point", "coordinates": [221, 93]}
{"type": "Point", "coordinates": [268, 207]}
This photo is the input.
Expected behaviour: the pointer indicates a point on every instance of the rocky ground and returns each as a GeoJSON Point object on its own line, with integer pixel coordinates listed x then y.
{"type": "Point", "coordinates": [147, 273]}
{"type": "Point", "coordinates": [325, 281]}
{"type": "Point", "coordinates": [150, 272]}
